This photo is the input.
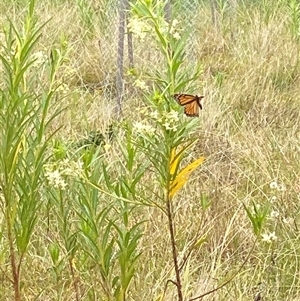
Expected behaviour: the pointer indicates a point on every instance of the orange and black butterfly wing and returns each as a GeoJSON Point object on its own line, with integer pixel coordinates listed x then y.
{"type": "Point", "coordinates": [192, 109]}
{"type": "Point", "coordinates": [191, 103]}
{"type": "Point", "coordinates": [184, 99]}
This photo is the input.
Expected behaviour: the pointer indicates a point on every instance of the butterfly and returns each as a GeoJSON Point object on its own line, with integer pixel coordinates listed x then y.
{"type": "Point", "coordinates": [191, 103]}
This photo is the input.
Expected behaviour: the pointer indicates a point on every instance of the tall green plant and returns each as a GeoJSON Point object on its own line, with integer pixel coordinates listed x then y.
{"type": "Point", "coordinates": [116, 253]}
{"type": "Point", "coordinates": [26, 95]}
{"type": "Point", "coordinates": [94, 225]}
{"type": "Point", "coordinates": [164, 137]}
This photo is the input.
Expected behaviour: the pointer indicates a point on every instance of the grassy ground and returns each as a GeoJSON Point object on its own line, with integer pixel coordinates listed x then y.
{"type": "Point", "coordinates": [248, 130]}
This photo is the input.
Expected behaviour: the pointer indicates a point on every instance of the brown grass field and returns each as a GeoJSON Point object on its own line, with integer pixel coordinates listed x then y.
{"type": "Point", "coordinates": [248, 132]}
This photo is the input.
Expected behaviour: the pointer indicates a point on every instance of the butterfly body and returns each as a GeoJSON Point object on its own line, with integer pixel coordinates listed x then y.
{"type": "Point", "coordinates": [190, 102]}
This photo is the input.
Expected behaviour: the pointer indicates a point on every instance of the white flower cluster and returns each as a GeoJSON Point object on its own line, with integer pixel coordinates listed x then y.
{"type": "Point", "coordinates": [141, 28]}
{"type": "Point", "coordinates": [171, 28]}
{"type": "Point", "coordinates": [169, 120]}
{"type": "Point", "coordinates": [138, 27]}
{"type": "Point", "coordinates": [174, 31]}
{"type": "Point", "coordinates": [56, 173]}
{"type": "Point", "coordinates": [143, 129]}
{"type": "Point", "coordinates": [275, 215]}
{"type": "Point", "coordinates": [56, 179]}
{"type": "Point", "coordinates": [269, 237]}
{"type": "Point", "coordinates": [141, 85]}
{"type": "Point", "coordinates": [277, 186]}
{"type": "Point", "coordinates": [40, 58]}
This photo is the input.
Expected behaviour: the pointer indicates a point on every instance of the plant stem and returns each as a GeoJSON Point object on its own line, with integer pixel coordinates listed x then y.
{"type": "Point", "coordinates": [15, 270]}
{"type": "Point", "coordinates": [174, 251]}
{"type": "Point", "coordinates": [74, 279]}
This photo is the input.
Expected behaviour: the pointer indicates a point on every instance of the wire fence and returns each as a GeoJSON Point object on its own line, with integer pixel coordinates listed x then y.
{"type": "Point", "coordinates": [120, 50]}
{"type": "Point", "coordinates": [143, 55]}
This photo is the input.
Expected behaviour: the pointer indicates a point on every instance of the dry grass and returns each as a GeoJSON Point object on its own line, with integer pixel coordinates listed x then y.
{"type": "Point", "coordinates": [249, 133]}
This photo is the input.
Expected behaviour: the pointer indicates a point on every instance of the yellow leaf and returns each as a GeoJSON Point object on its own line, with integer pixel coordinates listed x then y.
{"type": "Point", "coordinates": [183, 176]}
{"type": "Point", "coordinates": [175, 158]}
{"type": "Point", "coordinates": [174, 162]}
